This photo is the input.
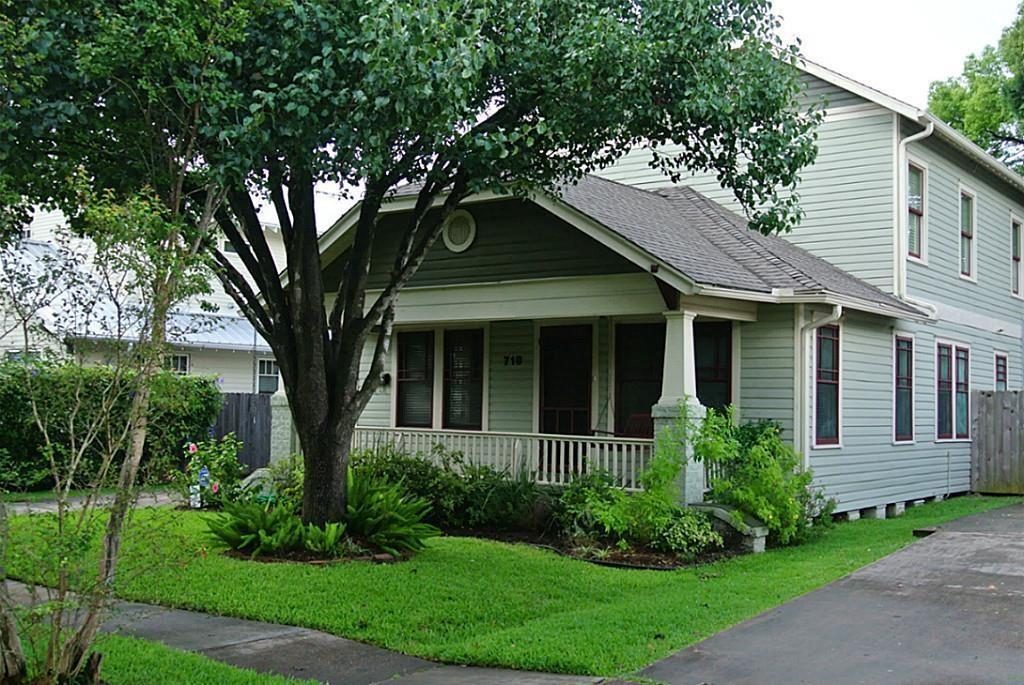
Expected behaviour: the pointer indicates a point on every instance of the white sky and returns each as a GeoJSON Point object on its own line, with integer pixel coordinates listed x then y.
{"type": "Point", "coordinates": [896, 46]}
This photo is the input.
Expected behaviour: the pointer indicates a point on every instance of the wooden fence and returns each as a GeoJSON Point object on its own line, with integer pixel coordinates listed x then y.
{"type": "Point", "coordinates": [997, 450]}
{"type": "Point", "coordinates": [248, 417]}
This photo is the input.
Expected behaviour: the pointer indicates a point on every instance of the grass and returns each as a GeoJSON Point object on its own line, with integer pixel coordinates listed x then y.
{"type": "Point", "coordinates": [487, 603]}
{"type": "Point", "coordinates": [128, 661]}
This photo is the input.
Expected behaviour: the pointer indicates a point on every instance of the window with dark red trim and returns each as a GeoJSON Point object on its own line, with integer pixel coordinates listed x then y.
{"type": "Point", "coordinates": [903, 369]}
{"type": "Point", "coordinates": [1015, 263]}
{"type": "Point", "coordinates": [1001, 372]}
{"type": "Point", "coordinates": [944, 392]}
{"type": "Point", "coordinates": [915, 210]}
{"type": "Point", "coordinates": [464, 379]}
{"type": "Point", "coordinates": [414, 383]}
{"type": "Point", "coordinates": [966, 234]}
{"type": "Point", "coordinates": [826, 415]}
{"type": "Point", "coordinates": [963, 391]}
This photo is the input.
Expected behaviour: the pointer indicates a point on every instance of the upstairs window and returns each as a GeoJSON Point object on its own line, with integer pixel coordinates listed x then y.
{"type": "Point", "coordinates": [903, 391]}
{"type": "Point", "coordinates": [1001, 372]}
{"type": "Point", "coordinates": [1015, 274]}
{"type": "Point", "coordinates": [826, 415]}
{"type": "Point", "coordinates": [915, 211]}
{"type": "Point", "coordinates": [967, 225]}
{"type": "Point", "coordinates": [415, 379]}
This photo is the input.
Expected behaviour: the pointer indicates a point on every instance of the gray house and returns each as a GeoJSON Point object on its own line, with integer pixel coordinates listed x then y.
{"type": "Point", "coordinates": [558, 331]}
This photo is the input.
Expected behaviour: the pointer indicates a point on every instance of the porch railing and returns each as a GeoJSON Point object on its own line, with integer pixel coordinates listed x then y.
{"type": "Point", "coordinates": [549, 459]}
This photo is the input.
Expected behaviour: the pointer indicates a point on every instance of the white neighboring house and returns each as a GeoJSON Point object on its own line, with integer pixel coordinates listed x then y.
{"type": "Point", "coordinates": [222, 343]}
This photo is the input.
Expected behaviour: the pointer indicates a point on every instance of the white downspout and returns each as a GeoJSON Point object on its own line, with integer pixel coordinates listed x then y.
{"type": "Point", "coordinates": [901, 216]}
{"type": "Point", "coordinates": [802, 430]}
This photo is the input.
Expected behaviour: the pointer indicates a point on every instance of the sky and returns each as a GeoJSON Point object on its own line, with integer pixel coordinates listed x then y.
{"type": "Point", "coordinates": [896, 46]}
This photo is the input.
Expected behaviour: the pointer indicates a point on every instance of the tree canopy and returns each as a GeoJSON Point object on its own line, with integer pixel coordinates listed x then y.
{"type": "Point", "coordinates": [220, 106]}
{"type": "Point", "coordinates": [986, 101]}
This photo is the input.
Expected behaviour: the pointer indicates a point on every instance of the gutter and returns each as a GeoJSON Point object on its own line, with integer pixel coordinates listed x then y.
{"type": "Point", "coordinates": [901, 216]}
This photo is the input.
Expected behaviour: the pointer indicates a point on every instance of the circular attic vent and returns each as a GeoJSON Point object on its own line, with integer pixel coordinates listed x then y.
{"type": "Point", "coordinates": [459, 231]}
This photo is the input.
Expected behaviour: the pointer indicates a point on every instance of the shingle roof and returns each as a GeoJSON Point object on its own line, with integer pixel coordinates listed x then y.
{"type": "Point", "coordinates": [713, 246]}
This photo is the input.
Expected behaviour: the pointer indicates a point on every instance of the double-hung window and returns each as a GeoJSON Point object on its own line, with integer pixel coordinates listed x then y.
{"type": "Point", "coordinates": [915, 211]}
{"type": "Point", "coordinates": [1015, 263]}
{"type": "Point", "coordinates": [267, 372]}
{"type": "Point", "coordinates": [463, 379]}
{"type": "Point", "coordinates": [177, 363]}
{"type": "Point", "coordinates": [415, 379]}
{"type": "Point", "coordinates": [953, 388]}
{"type": "Point", "coordinates": [1002, 373]}
{"type": "Point", "coordinates": [903, 371]}
{"type": "Point", "coordinates": [967, 230]}
{"type": "Point", "coordinates": [826, 375]}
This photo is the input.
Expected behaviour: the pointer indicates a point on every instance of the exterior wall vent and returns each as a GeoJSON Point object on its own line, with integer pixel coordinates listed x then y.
{"type": "Point", "coordinates": [459, 231]}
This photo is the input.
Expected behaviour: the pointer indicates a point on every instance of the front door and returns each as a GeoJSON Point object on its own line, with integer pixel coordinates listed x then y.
{"type": "Point", "coordinates": [566, 357]}
{"type": "Point", "coordinates": [639, 359]}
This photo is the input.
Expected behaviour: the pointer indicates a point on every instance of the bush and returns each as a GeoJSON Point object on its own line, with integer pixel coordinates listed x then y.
{"type": "Point", "coordinates": [285, 481]}
{"type": "Point", "coordinates": [223, 471]}
{"type": "Point", "coordinates": [761, 475]}
{"type": "Point", "coordinates": [262, 529]}
{"type": "Point", "coordinates": [386, 516]}
{"type": "Point", "coordinates": [182, 410]}
{"type": "Point", "coordinates": [460, 495]}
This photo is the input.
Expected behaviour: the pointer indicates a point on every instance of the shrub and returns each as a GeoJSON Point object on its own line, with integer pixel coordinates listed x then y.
{"type": "Point", "coordinates": [761, 475]}
{"type": "Point", "coordinates": [262, 529]}
{"type": "Point", "coordinates": [223, 479]}
{"type": "Point", "coordinates": [385, 516]}
{"type": "Point", "coordinates": [182, 410]}
{"type": "Point", "coordinates": [285, 481]}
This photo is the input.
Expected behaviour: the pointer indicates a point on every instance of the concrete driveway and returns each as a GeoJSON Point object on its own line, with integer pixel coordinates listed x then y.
{"type": "Point", "coordinates": [947, 610]}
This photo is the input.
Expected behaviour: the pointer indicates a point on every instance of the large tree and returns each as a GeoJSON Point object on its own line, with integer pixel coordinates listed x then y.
{"type": "Point", "coordinates": [457, 96]}
{"type": "Point", "coordinates": [986, 101]}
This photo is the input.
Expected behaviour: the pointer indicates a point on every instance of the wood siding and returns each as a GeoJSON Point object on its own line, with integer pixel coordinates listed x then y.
{"type": "Point", "coordinates": [766, 367]}
{"type": "Point", "coordinates": [515, 240]}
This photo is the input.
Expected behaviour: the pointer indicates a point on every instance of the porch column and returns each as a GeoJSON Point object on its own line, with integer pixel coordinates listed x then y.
{"type": "Point", "coordinates": [679, 395]}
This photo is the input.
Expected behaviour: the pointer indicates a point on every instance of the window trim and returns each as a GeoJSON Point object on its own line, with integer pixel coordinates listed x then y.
{"type": "Point", "coordinates": [954, 346]}
{"type": "Point", "coordinates": [1017, 262]}
{"type": "Point", "coordinates": [963, 190]}
{"type": "Point", "coordinates": [431, 375]}
{"type": "Point", "coordinates": [896, 337]}
{"type": "Point", "coordinates": [996, 356]}
{"type": "Point", "coordinates": [817, 444]}
{"type": "Point", "coordinates": [922, 166]}
{"type": "Point", "coordinates": [260, 375]}
{"type": "Point", "coordinates": [445, 380]}
{"type": "Point", "coordinates": [188, 362]}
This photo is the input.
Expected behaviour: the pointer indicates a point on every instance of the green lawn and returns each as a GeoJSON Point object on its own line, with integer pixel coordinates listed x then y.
{"type": "Point", "coordinates": [487, 603]}
{"type": "Point", "coordinates": [127, 661]}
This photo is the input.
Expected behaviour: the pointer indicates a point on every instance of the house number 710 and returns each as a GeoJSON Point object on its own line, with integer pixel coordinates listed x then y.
{"type": "Point", "coordinates": [513, 360]}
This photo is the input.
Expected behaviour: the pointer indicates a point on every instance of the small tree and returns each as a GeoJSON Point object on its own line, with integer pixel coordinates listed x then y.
{"type": "Point", "coordinates": [454, 96]}
{"type": "Point", "coordinates": [107, 287]}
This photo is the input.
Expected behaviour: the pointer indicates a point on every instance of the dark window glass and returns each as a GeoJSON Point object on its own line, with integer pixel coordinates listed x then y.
{"type": "Point", "coordinates": [1015, 257]}
{"type": "Point", "coordinates": [463, 379]}
{"type": "Point", "coordinates": [915, 209]}
{"type": "Point", "coordinates": [963, 389]}
{"type": "Point", "coordinates": [639, 359]}
{"type": "Point", "coordinates": [966, 234]}
{"type": "Point", "coordinates": [944, 392]}
{"type": "Point", "coordinates": [713, 351]}
{"type": "Point", "coordinates": [826, 425]}
{"type": "Point", "coordinates": [1001, 372]}
{"type": "Point", "coordinates": [415, 382]}
{"type": "Point", "coordinates": [904, 389]}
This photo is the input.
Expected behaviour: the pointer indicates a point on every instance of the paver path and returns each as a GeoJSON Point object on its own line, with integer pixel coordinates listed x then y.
{"type": "Point", "coordinates": [947, 610]}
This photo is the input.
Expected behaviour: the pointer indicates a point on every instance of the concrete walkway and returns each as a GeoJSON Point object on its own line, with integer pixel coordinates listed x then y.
{"type": "Point", "coordinates": [304, 653]}
{"type": "Point", "coordinates": [147, 498]}
{"type": "Point", "coordinates": [947, 609]}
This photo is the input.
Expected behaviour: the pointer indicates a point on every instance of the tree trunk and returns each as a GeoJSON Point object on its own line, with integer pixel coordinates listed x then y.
{"type": "Point", "coordinates": [325, 478]}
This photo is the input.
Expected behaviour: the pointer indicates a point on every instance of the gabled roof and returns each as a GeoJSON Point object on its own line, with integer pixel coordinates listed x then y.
{"type": "Point", "coordinates": [704, 245]}
{"type": "Point", "coordinates": [921, 116]}
{"type": "Point", "coordinates": [714, 248]}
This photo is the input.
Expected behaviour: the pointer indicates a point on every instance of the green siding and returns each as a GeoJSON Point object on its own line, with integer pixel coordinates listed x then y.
{"type": "Point", "coordinates": [815, 91]}
{"type": "Point", "coordinates": [766, 366]}
{"type": "Point", "coordinates": [378, 411]}
{"type": "Point", "coordinates": [510, 402]}
{"type": "Point", "coordinates": [542, 245]}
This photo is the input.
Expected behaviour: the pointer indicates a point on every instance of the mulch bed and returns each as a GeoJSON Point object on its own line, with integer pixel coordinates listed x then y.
{"type": "Point", "coordinates": [638, 558]}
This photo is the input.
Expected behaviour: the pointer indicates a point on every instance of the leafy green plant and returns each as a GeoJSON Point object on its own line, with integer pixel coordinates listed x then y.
{"type": "Point", "coordinates": [285, 481]}
{"type": "Point", "coordinates": [328, 541]}
{"type": "Point", "coordinates": [258, 529]}
{"type": "Point", "coordinates": [434, 477]}
{"type": "Point", "coordinates": [385, 516]}
{"type": "Point", "coordinates": [685, 533]}
{"type": "Point", "coordinates": [223, 472]}
{"type": "Point", "coordinates": [759, 474]}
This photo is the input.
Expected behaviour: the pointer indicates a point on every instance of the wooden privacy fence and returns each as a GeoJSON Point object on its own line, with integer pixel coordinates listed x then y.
{"type": "Point", "coordinates": [248, 417]}
{"type": "Point", "coordinates": [997, 450]}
